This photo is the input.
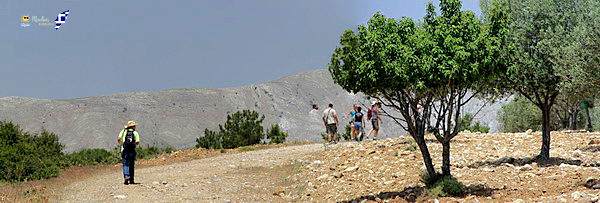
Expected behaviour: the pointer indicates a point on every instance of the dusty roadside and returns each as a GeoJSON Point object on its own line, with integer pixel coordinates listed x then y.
{"type": "Point", "coordinates": [241, 177]}
{"type": "Point", "coordinates": [50, 190]}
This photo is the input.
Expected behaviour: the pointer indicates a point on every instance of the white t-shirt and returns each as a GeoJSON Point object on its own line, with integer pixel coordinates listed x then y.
{"type": "Point", "coordinates": [314, 114]}
{"type": "Point", "coordinates": [329, 113]}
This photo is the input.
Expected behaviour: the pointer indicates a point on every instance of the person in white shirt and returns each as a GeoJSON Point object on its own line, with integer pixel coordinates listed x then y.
{"type": "Point", "coordinates": [331, 122]}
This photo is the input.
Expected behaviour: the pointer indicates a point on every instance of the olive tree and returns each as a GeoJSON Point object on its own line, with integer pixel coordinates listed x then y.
{"type": "Point", "coordinates": [423, 71]}
{"type": "Point", "coordinates": [553, 44]}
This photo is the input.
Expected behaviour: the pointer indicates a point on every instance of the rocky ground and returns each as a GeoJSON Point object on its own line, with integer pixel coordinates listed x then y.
{"type": "Point", "coordinates": [495, 167]}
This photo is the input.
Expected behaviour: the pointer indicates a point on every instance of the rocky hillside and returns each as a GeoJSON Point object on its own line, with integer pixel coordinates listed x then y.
{"type": "Point", "coordinates": [175, 117]}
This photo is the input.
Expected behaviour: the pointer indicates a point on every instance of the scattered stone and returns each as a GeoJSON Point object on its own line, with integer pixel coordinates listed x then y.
{"type": "Point", "coordinates": [488, 169]}
{"type": "Point", "coordinates": [525, 167]}
{"type": "Point", "coordinates": [519, 201]}
{"type": "Point", "coordinates": [317, 163]}
{"type": "Point", "coordinates": [120, 196]}
{"type": "Point", "coordinates": [155, 183]}
{"type": "Point", "coordinates": [529, 132]}
{"type": "Point", "coordinates": [578, 195]}
{"type": "Point", "coordinates": [165, 182]}
{"type": "Point", "coordinates": [338, 175]}
{"type": "Point", "coordinates": [509, 165]}
{"type": "Point", "coordinates": [577, 153]}
{"type": "Point", "coordinates": [353, 168]}
{"type": "Point", "coordinates": [322, 177]}
{"type": "Point", "coordinates": [563, 165]}
{"type": "Point", "coordinates": [279, 191]}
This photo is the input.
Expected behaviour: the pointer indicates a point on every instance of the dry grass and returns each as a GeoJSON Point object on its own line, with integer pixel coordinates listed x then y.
{"type": "Point", "coordinates": [49, 189]}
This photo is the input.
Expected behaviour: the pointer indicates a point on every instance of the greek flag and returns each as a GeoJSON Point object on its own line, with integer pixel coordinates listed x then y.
{"type": "Point", "coordinates": [60, 19]}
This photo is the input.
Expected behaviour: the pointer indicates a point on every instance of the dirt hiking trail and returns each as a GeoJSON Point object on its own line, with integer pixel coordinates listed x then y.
{"type": "Point", "coordinates": [252, 176]}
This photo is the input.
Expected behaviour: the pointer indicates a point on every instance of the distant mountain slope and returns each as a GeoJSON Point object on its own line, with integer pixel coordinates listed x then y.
{"type": "Point", "coordinates": [175, 117]}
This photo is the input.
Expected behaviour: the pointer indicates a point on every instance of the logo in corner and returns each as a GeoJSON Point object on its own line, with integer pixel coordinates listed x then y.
{"type": "Point", "coordinates": [60, 19]}
{"type": "Point", "coordinates": [25, 21]}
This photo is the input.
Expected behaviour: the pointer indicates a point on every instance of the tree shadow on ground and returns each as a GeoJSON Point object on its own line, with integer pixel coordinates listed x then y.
{"type": "Point", "coordinates": [553, 161]}
{"type": "Point", "coordinates": [590, 148]}
{"type": "Point", "coordinates": [411, 194]}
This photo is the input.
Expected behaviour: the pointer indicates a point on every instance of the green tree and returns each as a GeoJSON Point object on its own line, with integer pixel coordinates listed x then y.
{"type": "Point", "coordinates": [519, 115]}
{"type": "Point", "coordinates": [420, 71]}
{"type": "Point", "coordinates": [546, 51]}
{"type": "Point", "coordinates": [276, 135]}
{"type": "Point", "coordinates": [243, 128]}
{"type": "Point", "coordinates": [210, 140]}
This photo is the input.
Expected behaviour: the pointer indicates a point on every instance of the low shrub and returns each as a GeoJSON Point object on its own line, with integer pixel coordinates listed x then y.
{"type": "Point", "coordinates": [91, 157]}
{"type": "Point", "coordinates": [430, 180]}
{"type": "Point", "coordinates": [150, 151]}
{"type": "Point", "coordinates": [346, 134]}
{"type": "Point", "coordinates": [442, 186]}
{"type": "Point", "coordinates": [276, 135]}
{"type": "Point", "coordinates": [467, 124]}
{"type": "Point", "coordinates": [246, 148]}
{"type": "Point", "coordinates": [25, 156]}
{"type": "Point", "coordinates": [412, 145]}
{"type": "Point", "coordinates": [325, 137]}
{"type": "Point", "coordinates": [449, 187]}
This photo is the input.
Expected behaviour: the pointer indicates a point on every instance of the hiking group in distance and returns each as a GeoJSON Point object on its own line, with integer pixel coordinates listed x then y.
{"type": "Point", "coordinates": [356, 120]}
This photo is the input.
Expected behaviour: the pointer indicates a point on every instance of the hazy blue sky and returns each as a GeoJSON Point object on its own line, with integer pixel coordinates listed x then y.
{"type": "Point", "coordinates": [116, 46]}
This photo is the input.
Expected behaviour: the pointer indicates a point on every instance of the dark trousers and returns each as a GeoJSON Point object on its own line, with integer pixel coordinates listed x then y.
{"type": "Point", "coordinates": [128, 159]}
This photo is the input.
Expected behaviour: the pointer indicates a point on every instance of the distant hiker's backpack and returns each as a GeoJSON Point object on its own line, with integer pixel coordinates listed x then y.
{"type": "Point", "coordinates": [370, 113]}
{"type": "Point", "coordinates": [129, 142]}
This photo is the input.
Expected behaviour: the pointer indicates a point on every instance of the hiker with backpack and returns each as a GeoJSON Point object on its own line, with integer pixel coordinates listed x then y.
{"type": "Point", "coordinates": [331, 122]}
{"type": "Point", "coordinates": [374, 116]}
{"type": "Point", "coordinates": [359, 121]}
{"type": "Point", "coordinates": [350, 119]}
{"type": "Point", "coordinates": [128, 139]}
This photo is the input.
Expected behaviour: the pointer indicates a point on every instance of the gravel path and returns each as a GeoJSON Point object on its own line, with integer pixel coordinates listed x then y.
{"type": "Point", "coordinates": [247, 177]}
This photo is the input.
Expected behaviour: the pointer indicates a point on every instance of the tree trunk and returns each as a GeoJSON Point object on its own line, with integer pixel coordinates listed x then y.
{"type": "Point", "coordinates": [420, 140]}
{"type": "Point", "coordinates": [574, 119]}
{"type": "Point", "coordinates": [589, 119]}
{"type": "Point", "coordinates": [446, 158]}
{"type": "Point", "coordinates": [545, 152]}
